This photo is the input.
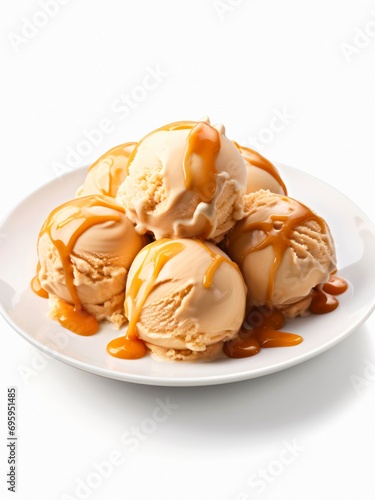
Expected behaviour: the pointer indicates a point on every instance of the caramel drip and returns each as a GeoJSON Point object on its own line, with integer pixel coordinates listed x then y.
{"type": "Point", "coordinates": [200, 161]}
{"type": "Point", "coordinates": [127, 347]}
{"type": "Point", "coordinates": [278, 231]}
{"type": "Point", "coordinates": [257, 160]}
{"type": "Point", "coordinates": [322, 302]}
{"type": "Point", "coordinates": [249, 342]}
{"type": "Point", "coordinates": [117, 159]}
{"type": "Point", "coordinates": [36, 286]}
{"type": "Point", "coordinates": [64, 226]}
{"type": "Point", "coordinates": [217, 260]}
{"type": "Point", "coordinates": [157, 254]}
{"type": "Point", "coordinates": [335, 285]}
{"type": "Point", "coordinates": [242, 347]}
{"type": "Point", "coordinates": [323, 298]}
{"type": "Point", "coordinates": [75, 320]}
{"type": "Point", "coordinates": [268, 337]}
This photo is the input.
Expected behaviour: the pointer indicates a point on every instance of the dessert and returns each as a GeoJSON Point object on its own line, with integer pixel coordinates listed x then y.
{"type": "Point", "coordinates": [184, 180]}
{"type": "Point", "coordinates": [138, 244]}
{"type": "Point", "coordinates": [184, 298]}
{"type": "Point", "coordinates": [284, 250]}
{"type": "Point", "coordinates": [108, 172]}
{"type": "Point", "coordinates": [261, 173]}
{"type": "Point", "coordinates": [85, 249]}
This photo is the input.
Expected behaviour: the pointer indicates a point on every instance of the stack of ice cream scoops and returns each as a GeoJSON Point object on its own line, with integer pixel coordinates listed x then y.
{"type": "Point", "coordinates": [189, 243]}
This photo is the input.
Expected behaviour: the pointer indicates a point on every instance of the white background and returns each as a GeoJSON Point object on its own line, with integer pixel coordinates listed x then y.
{"type": "Point", "coordinates": [241, 63]}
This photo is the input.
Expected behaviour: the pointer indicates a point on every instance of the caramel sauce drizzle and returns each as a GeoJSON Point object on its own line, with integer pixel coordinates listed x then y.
{"type": "Point", "coordinates": [199, 161]}
{"type": "Point", "coordinates": [36, 286]}
{"type": "Point", "coordinates": [199, 164]}
{"type": "Point", "coordinates": [158, 254]}
{"type": "Point", "coordinates": [257, 160]}
{"type": "Point", "coordinates": [217, 260]}
{"type": "Point", "coordinates": [76, 320]}
{"type": "Point", "coordinates": [323, 300]}
{"type": "Point", "coordinates": [64, 226]}
{"type": "Point", "coordinates": [117, 159]}
{"type": "Point", "coordinates": [278, 231]}
{"type": "Point", "coordinates": [250, 341]}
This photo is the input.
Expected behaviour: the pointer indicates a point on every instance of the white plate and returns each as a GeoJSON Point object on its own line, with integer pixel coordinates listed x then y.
{"type": "Point", "coordinates": [354, 236]}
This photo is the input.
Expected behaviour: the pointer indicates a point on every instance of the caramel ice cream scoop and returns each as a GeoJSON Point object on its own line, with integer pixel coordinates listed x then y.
{"type": "Point", "coordinates": [283, 249]}
{"type": "Point", "coordinates": [260, 172]}
{"type": "Point", "coordinates": [184, 298]}
{"type": "Point", "coordinates": [85, 249]}
{"type": "Point", "coordinates": [186, 179]}
{"type": "Point", "coordinates": [108, 172]}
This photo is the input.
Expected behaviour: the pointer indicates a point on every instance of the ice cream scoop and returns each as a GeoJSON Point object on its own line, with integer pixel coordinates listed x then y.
{"type": "Point", "coordinates": [261, 173]}
{"type": "Point", "coordinates": [186, 179]}
{"type": "Point", "coordinates": [108, 172]}
{"type": "Point", "coordinates": [184, 298]}
{"type": "Point", "coordinates": [284, 250]}
{"type": "Point", "coordinates": [85, 249]}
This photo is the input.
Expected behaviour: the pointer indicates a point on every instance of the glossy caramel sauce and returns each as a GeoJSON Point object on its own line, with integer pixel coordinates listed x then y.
{"type": "Point", "coordinates": [76, 320]}
{"type": "Point", "coordinates": [64, 226]}
{"type": "Point", "coordinates": [323, 299]}
{"type": "Point", "coordinates": [335, 285]}
{"type": "Point", "coordinates": [158, 253]}
{"type": "Point", "coordinates": [36, 286]}
{"type": "Point", "coordinates": [199, 164]}
{"type": "Point", "coordinates": [322, 302]}
{"type": "Point", "coordinates": [257, 160]}
{"type": "Point", "coordinates": [200, 161]}
{"type": "Point", "coordinates": [117, 160]}
{"type": "Point", "coordinates": [277, 230]}
{"type": "Point", "coordinates": [217, 260]}
{"type": "Point", "coordinates": [249, 342]}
